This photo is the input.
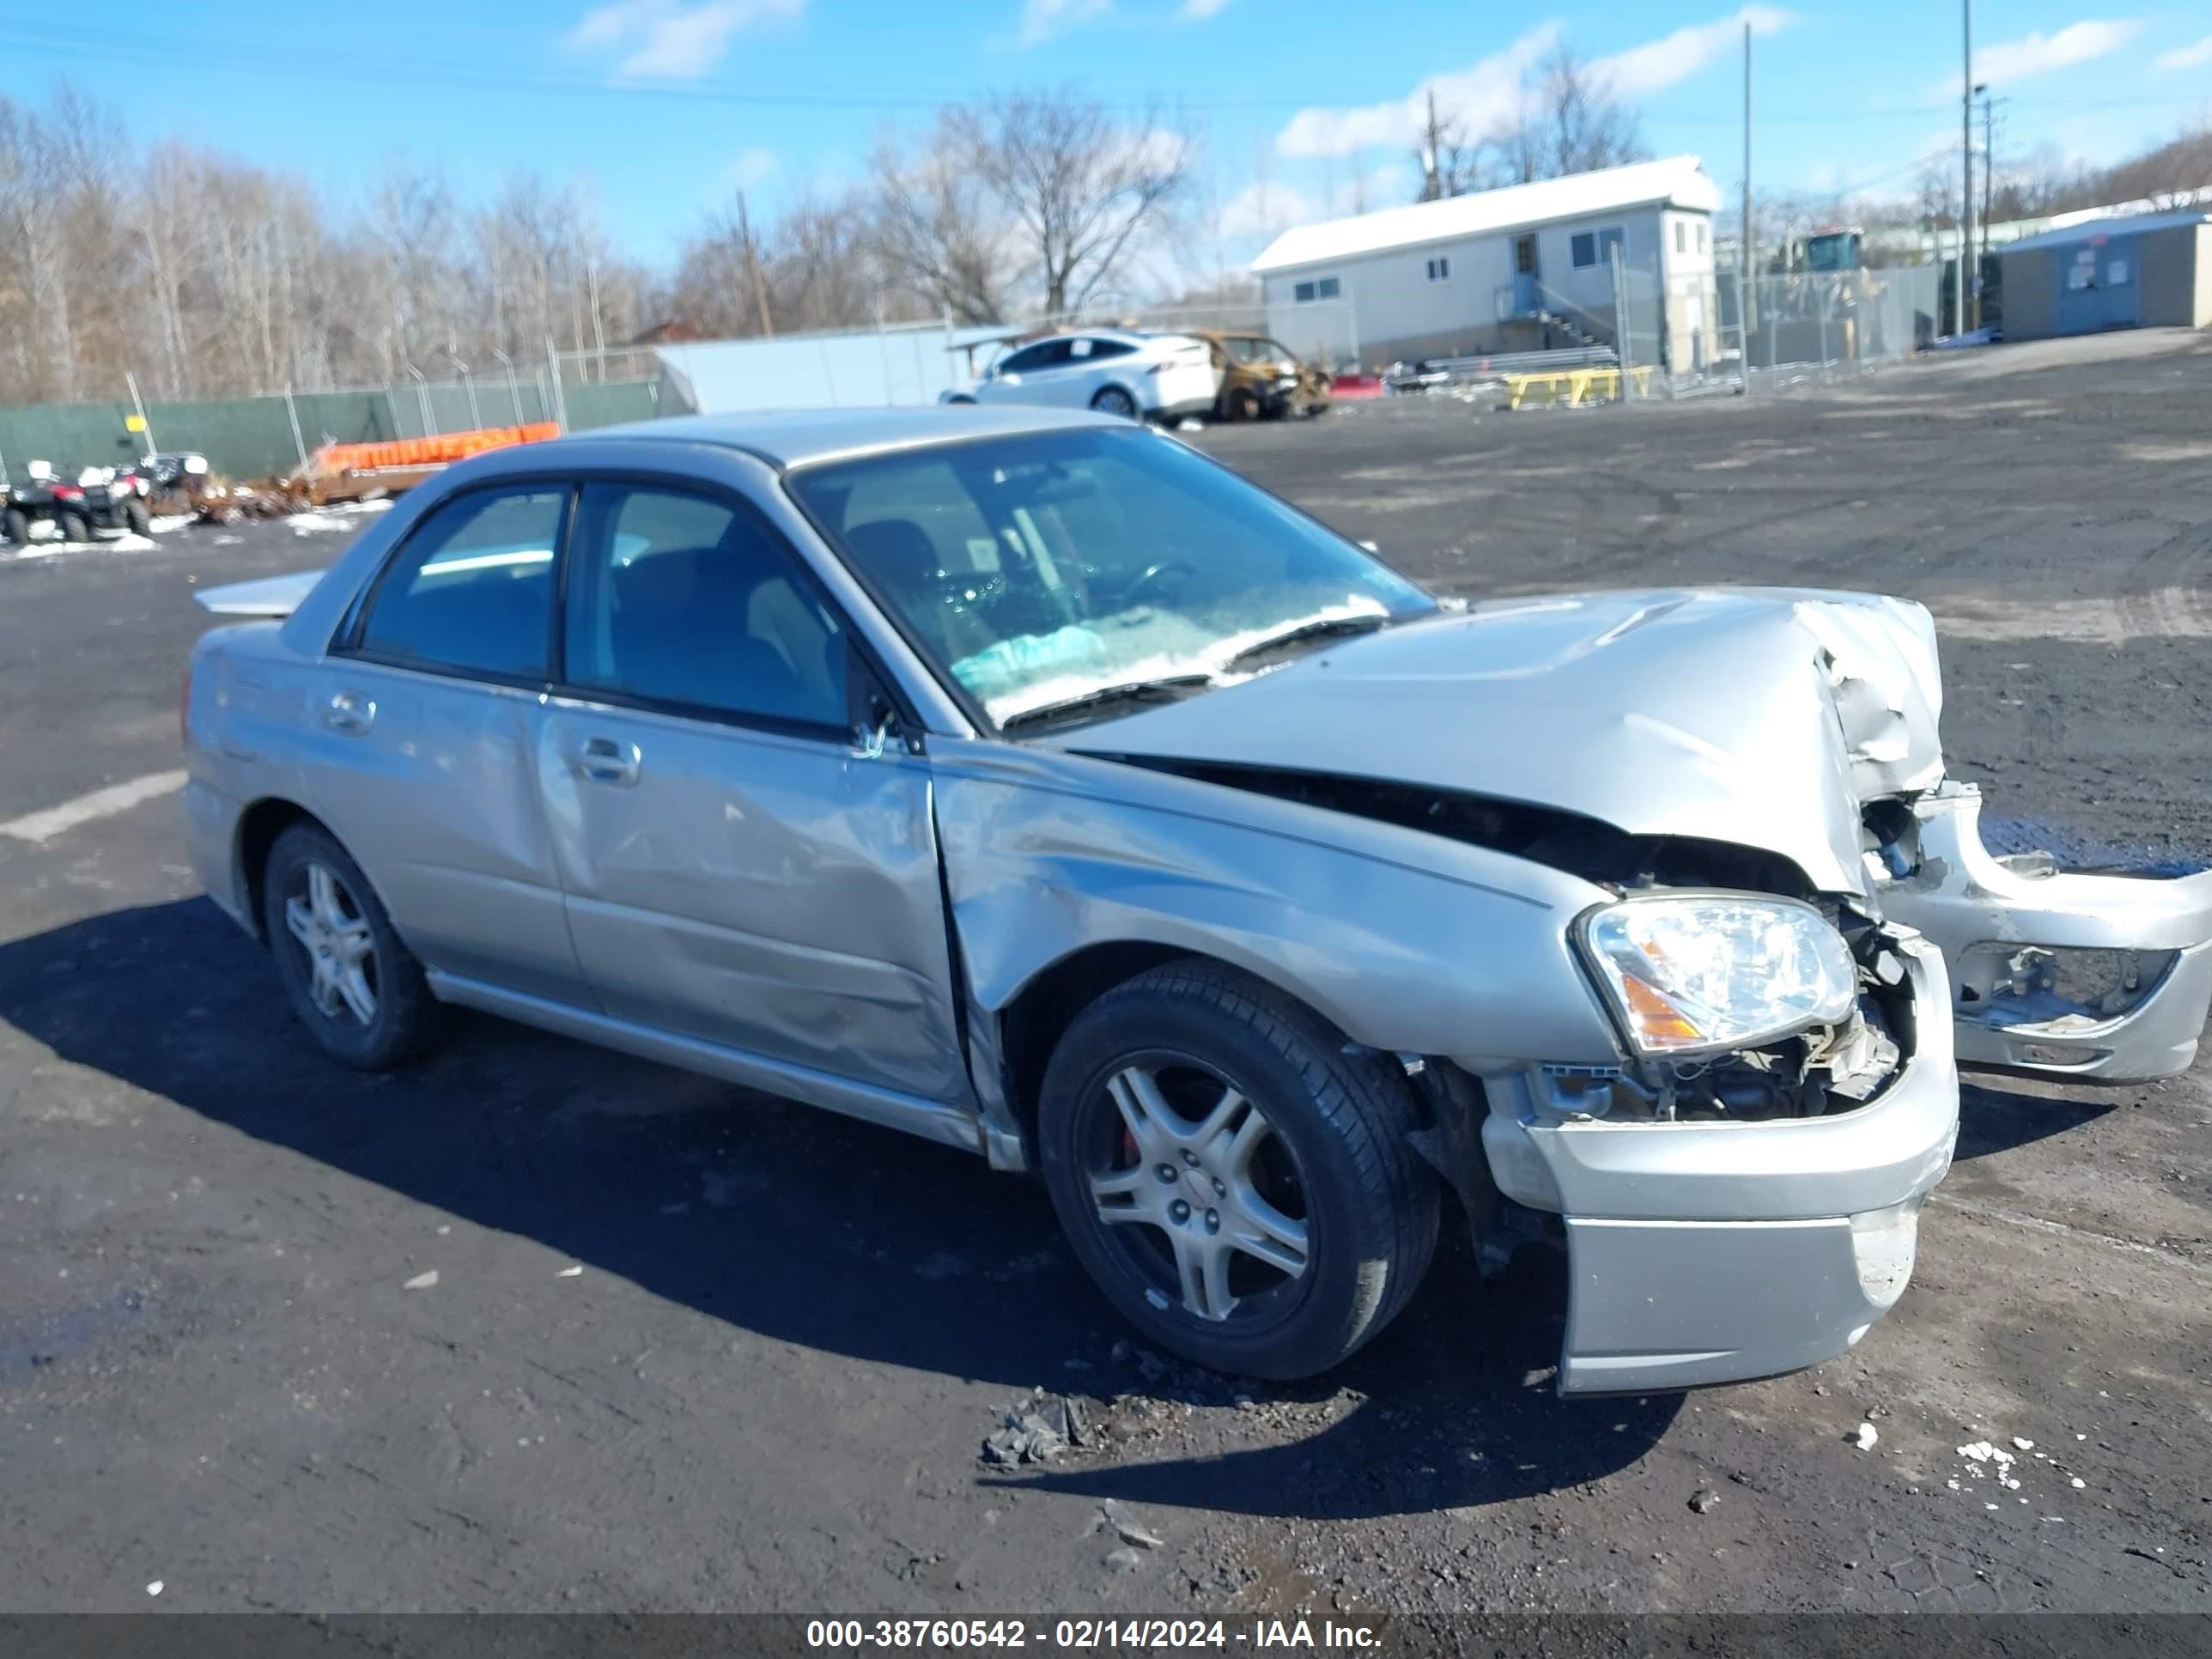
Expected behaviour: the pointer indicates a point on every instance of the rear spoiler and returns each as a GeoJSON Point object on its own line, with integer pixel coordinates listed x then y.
{"type": "Point", "coordinates": [271, 596]}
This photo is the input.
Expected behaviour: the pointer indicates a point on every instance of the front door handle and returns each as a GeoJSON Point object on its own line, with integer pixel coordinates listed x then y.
{"type": "Point", "coordinates": [610, 760]}
{"type": "Point", "coordinates": [349, 712]}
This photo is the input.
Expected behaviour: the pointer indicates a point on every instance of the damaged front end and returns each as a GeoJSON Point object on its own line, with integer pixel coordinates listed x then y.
{"type": "Point", "coordinates": [2101, 976]}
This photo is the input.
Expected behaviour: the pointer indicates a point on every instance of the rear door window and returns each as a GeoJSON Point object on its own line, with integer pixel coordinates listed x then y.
{"type": "Point", "coordinates": [471, 591]}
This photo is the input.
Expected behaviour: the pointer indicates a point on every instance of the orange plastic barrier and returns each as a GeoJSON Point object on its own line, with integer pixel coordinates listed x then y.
{"type": "Point", "coordinates": [429, 452]}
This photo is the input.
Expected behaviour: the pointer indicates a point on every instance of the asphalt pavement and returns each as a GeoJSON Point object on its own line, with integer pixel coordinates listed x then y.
{"type": "Point", "coordinates": [691, 1348]}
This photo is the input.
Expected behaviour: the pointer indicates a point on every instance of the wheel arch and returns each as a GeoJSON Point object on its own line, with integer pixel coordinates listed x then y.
{"type": "Point", "coordinates": [1030, 1023]}
{"type": "Point", "coordinates": [258, 826]}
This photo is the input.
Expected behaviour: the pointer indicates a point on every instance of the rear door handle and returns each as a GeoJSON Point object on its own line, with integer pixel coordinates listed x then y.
{"type": "Point", "coordinates": [349, 712]}
{"type": "Point", "coordinates": [610, 760]}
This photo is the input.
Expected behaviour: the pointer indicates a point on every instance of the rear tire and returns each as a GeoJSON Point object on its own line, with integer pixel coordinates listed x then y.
{"type": "Point", "coordinates": [16, 526]}
{"type": "Point", "coordinates": [137, 518]}
{"type": "Point", "coordinates": [1244, 404]}
{"type": "Point", "coordinates": [357, 989]}
{"type": "Point", "coordinates": [1112, 400]}
{"type": "Point", "coordinates": [74, 526]}
{"type": "Point", "coordinates": [1256, 1140]}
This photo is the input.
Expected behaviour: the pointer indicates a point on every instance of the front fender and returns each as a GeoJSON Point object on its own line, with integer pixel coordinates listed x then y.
{"type": "Point", "coordinates": [1406, 942]}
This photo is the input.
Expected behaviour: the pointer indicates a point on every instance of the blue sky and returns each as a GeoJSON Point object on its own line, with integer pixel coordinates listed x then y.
{"type": "Point", "coordinates": [1304, 105]}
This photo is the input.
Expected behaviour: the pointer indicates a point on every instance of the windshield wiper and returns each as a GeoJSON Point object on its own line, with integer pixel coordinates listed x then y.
{"type": "Point", "coordinates": [1324, 627]}
{"type": "Point", "coordinates": [1163, 690]}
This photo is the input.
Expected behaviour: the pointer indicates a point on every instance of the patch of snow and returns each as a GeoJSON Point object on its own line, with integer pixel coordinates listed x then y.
{"type": "Point", "coordinates": [2022, 1445]}
{"type": "Point", "coordinates": [165, 522]}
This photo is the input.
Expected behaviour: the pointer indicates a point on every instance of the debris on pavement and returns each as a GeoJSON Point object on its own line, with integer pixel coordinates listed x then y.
{"type": "Point", "coordinates": [1037, 1430]}
{"type": "Point", "coordinates": [1865, 1437]}
{"type": "Point", "coordinates": [575, 1270]}
{"type": "Point", "coordinates": [1124, 1560]}
{"type": "Point", "coordinates": [1126, 1528]}
{"type": "Point", "coordinates": [154, 1588]}
{"type": "Point", "coordinates": [2023, 1445]}
{"type": "Point", "coordinates": [422, 1281]}
{"type": "Point", "coordinates": [1705, 1500]}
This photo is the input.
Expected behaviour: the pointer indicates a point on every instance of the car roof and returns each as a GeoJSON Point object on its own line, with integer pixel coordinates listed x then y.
{"type": "Point", "coordinates": [794, 437]}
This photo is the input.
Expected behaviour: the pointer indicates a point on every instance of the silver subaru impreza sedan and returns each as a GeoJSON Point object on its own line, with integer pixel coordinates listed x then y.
{"type": "Point", "coordinates": [1028, 782]}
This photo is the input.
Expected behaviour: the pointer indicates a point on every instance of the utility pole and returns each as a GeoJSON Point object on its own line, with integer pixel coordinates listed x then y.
{"type": "Point", "coordinates": [1746, 287]}
{"type": "Point", "coordinates": [1988, 161]}
{"type": "Point", "coordinates": [1432, 185]}
{"type": "Point", "coordinates": [753, 264]}
{"type": "Point", "coordinates": [1966, 163]}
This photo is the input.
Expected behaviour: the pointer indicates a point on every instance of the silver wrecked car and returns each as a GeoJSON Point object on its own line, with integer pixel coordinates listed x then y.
{"type": "Point", "coordinates": [1028, 781]}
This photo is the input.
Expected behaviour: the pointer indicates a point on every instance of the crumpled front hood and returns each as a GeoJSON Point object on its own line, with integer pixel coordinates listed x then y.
{"type": "Point", "coordinates": [1763, 717]}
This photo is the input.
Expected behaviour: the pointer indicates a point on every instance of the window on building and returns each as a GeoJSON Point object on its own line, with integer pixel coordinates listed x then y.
{"type": "Point", "coordinates": [1595, 247]}
{"type": "Point", "coordinates": [1440, 270]}
{"type": "Point", "coordinates": [1303, 294]}
{"type": "Point", "coordinates": [1322, 288]}
{"type": "Point", "coordinates": [1701, 235]}
{"type": "Point", "coordinates": [1681, 237]}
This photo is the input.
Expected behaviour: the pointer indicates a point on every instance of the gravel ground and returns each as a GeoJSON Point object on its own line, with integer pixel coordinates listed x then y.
{"type": "Point", "coordinates": [225, 1370]}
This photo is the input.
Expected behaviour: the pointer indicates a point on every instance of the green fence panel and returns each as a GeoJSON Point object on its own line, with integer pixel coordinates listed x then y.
{"type": "Point", "coordinates": [253, 437]}
{"type": "Point", "coordinates": [610, 402]}
{"type": "Point", "coordinates": [72, 436]}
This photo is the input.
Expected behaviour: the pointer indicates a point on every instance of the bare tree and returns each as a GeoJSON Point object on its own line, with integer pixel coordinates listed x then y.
{"type": "Point", "coordinates": [1566, 118]}
{"type": "Point", "coordinates": [1082, 188]}
{"type": "Point", "coordinates": [1452, 160]}
{"type": "Point", "coordinates": [1569, 121]}
{"type": "Point", "coordinates": [937, 229]}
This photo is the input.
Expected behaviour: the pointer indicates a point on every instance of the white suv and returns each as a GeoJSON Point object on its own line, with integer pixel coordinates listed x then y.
{"type": "Point", "coordinates": [1114, 371]}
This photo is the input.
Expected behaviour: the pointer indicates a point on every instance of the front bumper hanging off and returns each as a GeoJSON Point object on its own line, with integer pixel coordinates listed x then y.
{"type": "Point", "coordinates": [2073, 975]}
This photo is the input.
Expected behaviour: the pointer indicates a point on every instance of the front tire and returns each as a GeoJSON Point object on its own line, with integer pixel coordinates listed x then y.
{"type": "Point", "coordinates": [1112, 400]}
{"type": "Point", "coordinates": [357, 989]}
{"type": "Point", "coordinates": [1238, 1184]}
{"type": "Point", "coordinates": [16, 524]}
{"type": "Point", "coordinates": [137, 518]}
{"type": "Point", "coordinates": [74, 526]}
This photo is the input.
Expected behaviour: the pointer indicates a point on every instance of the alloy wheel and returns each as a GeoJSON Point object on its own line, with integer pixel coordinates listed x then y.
{"type": "Point", "coordinates": [1199, 1193]}
{"type": "Point", "coordinates": [328, 922]}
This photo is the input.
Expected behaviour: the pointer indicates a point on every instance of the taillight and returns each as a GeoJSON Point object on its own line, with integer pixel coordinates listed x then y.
{"type": "Point", "coordinates": [185, 709]}
{"type": "Point", "coordinates": [68, 493]}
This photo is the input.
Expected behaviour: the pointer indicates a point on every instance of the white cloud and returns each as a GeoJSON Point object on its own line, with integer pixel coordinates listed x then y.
{"type": "Point", "coordinates": [1197, 10]}
{"type": "Point", "coordinates": [1478, 94]}
{"type": "Point", "coordinates": [666, 39]}
{"type": "Point", "coordinates": [2182, 57]}
{"type": "Point", "coordinates": [1043, 18]}
{"type": "Point", "coordinates": [2009, 61]}
{"type": "Point", "coordinates": [752, 168]}
{"type": "Point", "coordinates": [1660, 63]}
{"type": "Point", "coordinates": [1486, 94]}
{"type": "Point", "coordinates": [1265, 207]}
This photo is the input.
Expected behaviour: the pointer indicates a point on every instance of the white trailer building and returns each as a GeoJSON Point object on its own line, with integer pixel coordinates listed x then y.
{"type": "Point", "coordinates": [1520, 269]}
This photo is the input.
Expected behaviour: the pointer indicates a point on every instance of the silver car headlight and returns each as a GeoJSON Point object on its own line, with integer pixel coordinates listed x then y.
{"type": "Point", "coordinates": [1689, 973]}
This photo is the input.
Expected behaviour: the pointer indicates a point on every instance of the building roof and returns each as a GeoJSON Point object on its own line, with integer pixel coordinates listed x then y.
{"type": "Point", "coordinates": [1678, 181]}
{"type": "Point", "coordinates": [794, 437]}
{"type": "Point", "coordinates": [2122, 225]}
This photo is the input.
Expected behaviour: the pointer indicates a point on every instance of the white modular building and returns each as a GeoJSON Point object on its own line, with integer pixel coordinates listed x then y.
{"type": "Point", "coordinates": [1523, 268]}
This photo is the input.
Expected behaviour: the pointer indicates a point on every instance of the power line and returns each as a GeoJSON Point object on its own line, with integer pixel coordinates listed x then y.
{"type": "Point", "coordinates": [382, 73]}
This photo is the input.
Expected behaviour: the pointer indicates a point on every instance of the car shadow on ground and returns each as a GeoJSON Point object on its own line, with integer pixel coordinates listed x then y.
{"type": "Point", "coordinates": [806, 1228]}
{"type": "Point", "coordinates": [1994, 1118]}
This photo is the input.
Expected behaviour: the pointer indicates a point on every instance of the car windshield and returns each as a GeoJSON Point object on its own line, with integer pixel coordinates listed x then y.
{"type": "Point", "coordinates": [1046, 567]}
